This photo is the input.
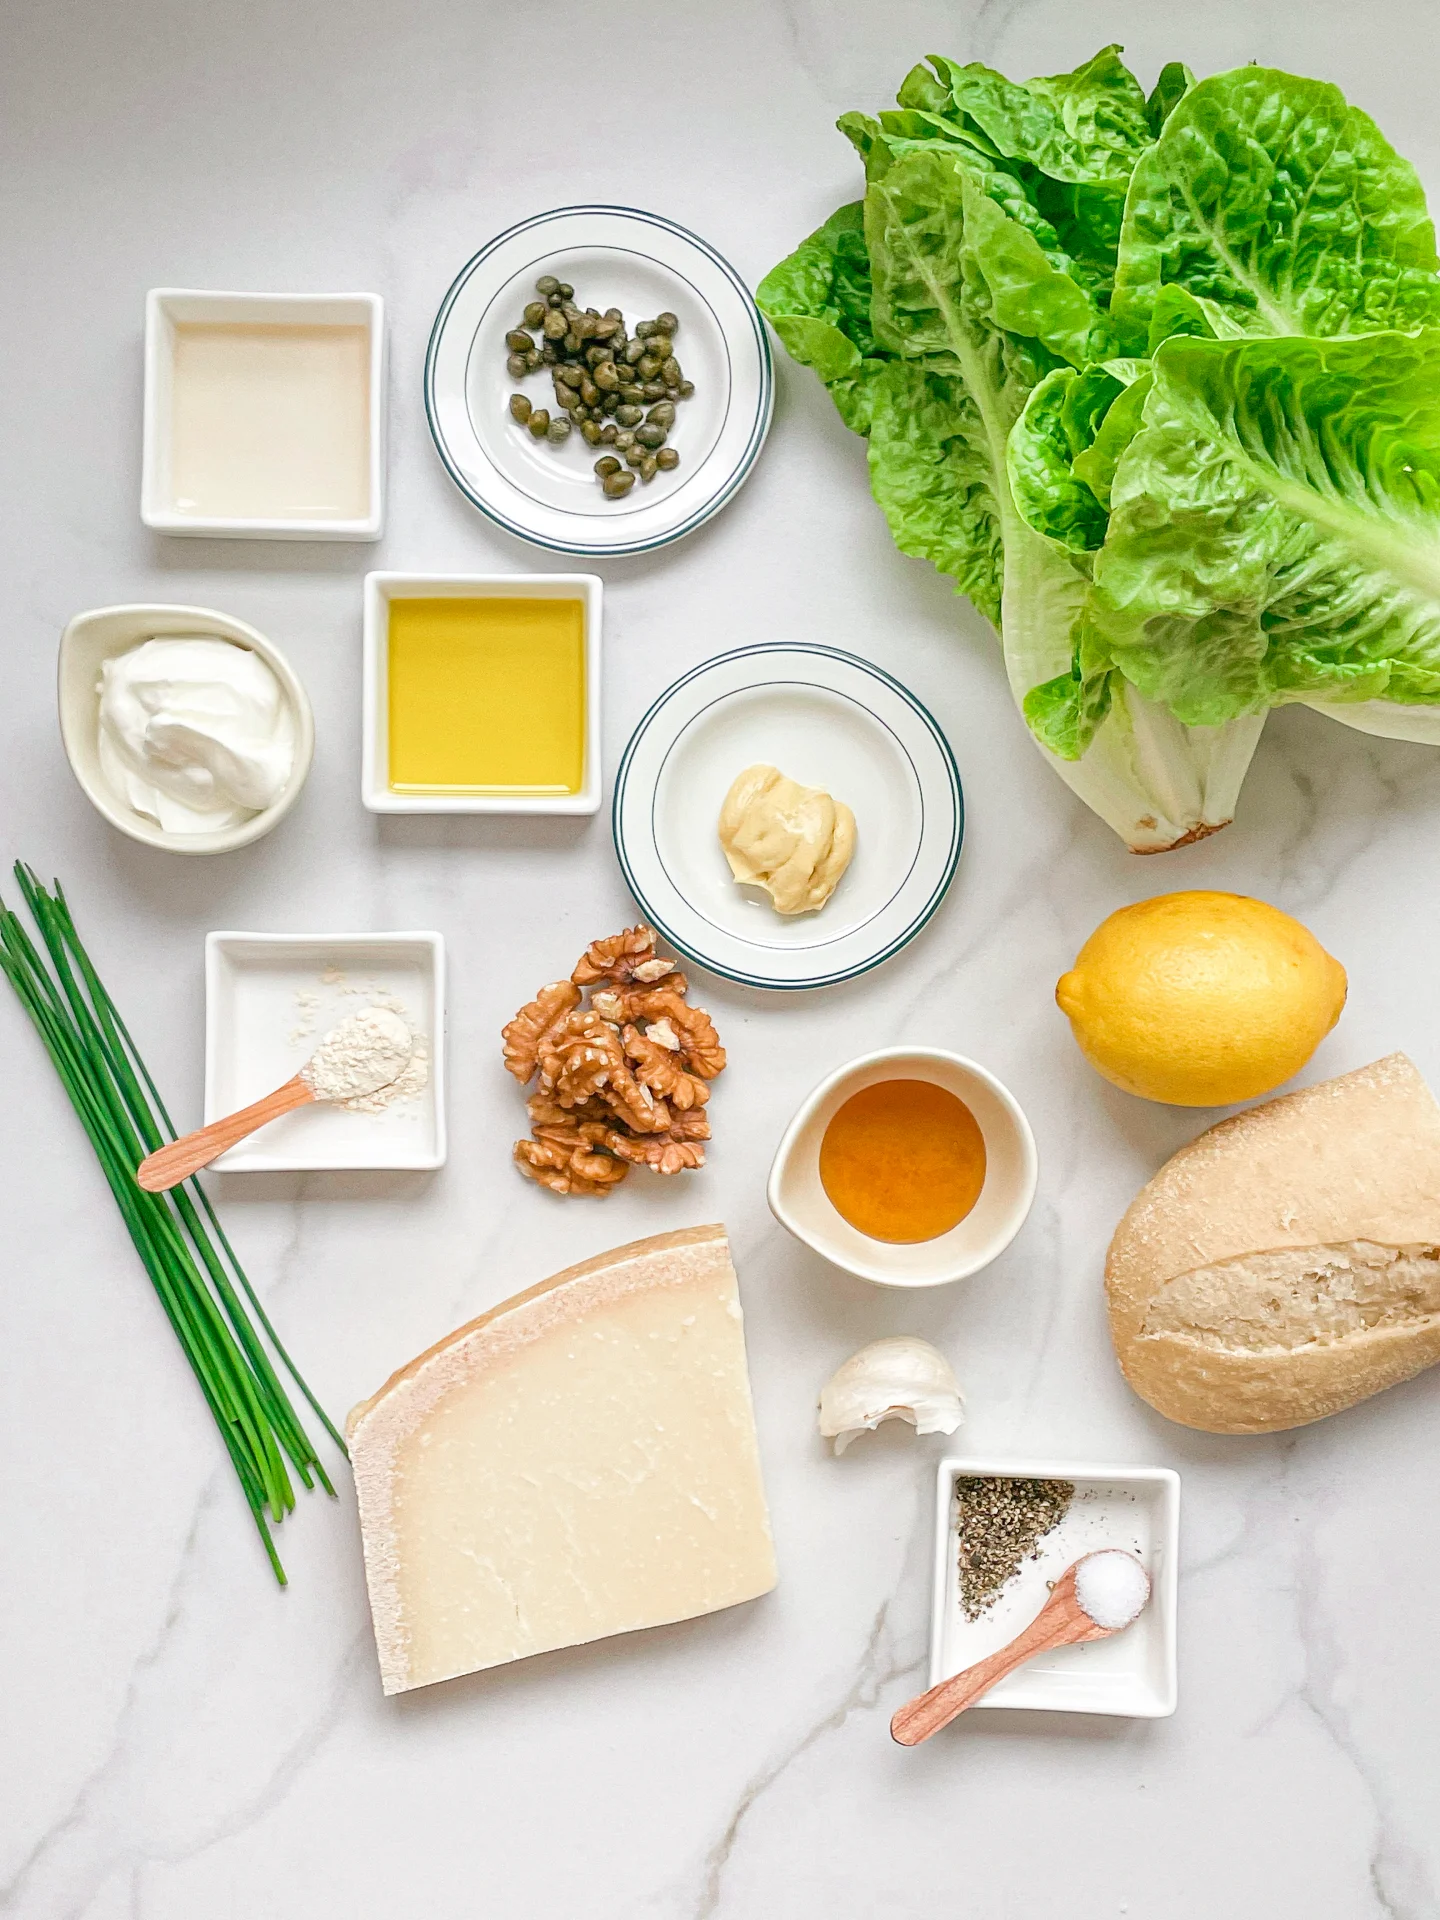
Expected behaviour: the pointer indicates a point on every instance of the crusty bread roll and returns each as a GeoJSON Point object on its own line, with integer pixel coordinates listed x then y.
{"type": "Point", "coordinates": [1286, 1264]}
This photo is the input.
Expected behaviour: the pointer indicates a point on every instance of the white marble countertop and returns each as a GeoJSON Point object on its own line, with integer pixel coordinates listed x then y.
{"type": "Point", "coordinates": [181, 1740]}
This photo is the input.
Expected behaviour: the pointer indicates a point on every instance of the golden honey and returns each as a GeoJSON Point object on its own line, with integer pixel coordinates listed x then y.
{"type": "Point", "coordinates": [903, 1160]}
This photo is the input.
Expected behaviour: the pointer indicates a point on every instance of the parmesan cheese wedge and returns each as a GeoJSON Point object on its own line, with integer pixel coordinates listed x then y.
{"type": "Point", "coordinates": [579, 1461]}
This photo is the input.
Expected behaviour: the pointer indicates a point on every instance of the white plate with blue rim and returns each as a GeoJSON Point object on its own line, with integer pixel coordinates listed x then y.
{"type": "Point", "coordinates": [827, 719]}
{"type": "Point", "coordinates": [613, 257]}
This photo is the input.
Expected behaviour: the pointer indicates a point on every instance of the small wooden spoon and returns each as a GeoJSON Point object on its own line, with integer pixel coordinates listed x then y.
{"type": "Point", "coordinates": [1061, 1622]}
{"type": "Point", "coordinates": [168, 1166]}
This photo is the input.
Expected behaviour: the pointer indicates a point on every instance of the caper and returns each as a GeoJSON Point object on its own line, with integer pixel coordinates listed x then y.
{"type": "Point", "coordinates": [571, 343]}
{"type": "Point", "coordinates": [590, 432]}
{"type": "Point", "coordinates": [606, 377]}
{"type": "Point", "coordinates": [629, 416]}
{"type": "Point", "coordinates": [624, 439]}
{"type": "Point", "coordinates": [535, 313]}
{"type": "Point", "coordinates": [596, 356]}
{"type": "Point", "coordinates": [614, 313]}
{"type": "Point", "coordinates": [555, 325]}
{"type": "Point", "coordinates": [634, 349]}
{"type": "Point", "coordinates": [564, 289]}
{"type": "Point", "coordinates": [617, 485]}
{"type": "Point", "coordinates": [632, 393]}
{"type": "Point", "coordinates": [517, 366]}
{"type": "Point", "coordinates": [589, 392]}
{"type": "Point", "coordinates": [569, 376]}
{"type": "Point", "coordinates": [558, 431]}
{"type": "Point", "coordinates": [644, 329]}
{"type": "Point", "coordinates": [654, 390]}
{"type": "Point", "coordinates": [549, 356]}
{"type": "Point", "coordinates": [607, 328]}
{"type": "Point", "coordinates": [636, 457]}
{"type": "Point", "coordinates": [667, 459]}
{"type": "Point", "coordinates": [520, 408]}
{"type": "Point", "coordinates": [555, 300]}
{"type": "Point", "coordinates": [667, 323]}
{"type": "Point", "coordinates": [518, 342]}
{"type": "Point", "coordinates": [609, 433]}
{"type": "Point", "coordinates": [649, 467]}
{"type": "Point", "coordinates": [650, 435]}
{"type": "Point", "coordinates": [533, 359]}
{"type": "Point", "coordinates": [578, 412]}
{"type": "Point", "coordinates": [662, 415]}
{"type": "Point", "coordinates": [539, 422]}
{"type": "Point", "coordinates": [687, 387]}
{"type": "Point", "coordinates": [546, 284]}
{"type": "Point", "coordinates": [670, 371]}
{"type": "Point", "coordinates": [647, 366]}
{"type": "Point", "coordinates": [672, 393]}
{"type": "Point", "coordinates": [661, 345]}
{"type": "Point", "coordinates": [606, 464]}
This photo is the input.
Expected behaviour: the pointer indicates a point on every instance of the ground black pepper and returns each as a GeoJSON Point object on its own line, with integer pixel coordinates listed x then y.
{"type": "Point", "coordinates": [1001, 1523]}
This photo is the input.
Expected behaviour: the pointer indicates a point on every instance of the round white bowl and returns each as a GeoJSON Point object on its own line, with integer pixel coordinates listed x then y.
{"type": "Point", "coordinates": [90, 640]}
{"type": "Point", "coordinates": [802, 1206]}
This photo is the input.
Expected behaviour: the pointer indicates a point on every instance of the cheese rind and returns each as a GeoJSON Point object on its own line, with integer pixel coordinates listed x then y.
{"type": "Point", "coordinates": [580, 1461]}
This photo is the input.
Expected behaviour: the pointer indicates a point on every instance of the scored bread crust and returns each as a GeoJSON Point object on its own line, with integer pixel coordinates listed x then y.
{"type": "Point", "coordinates": [1353, 1159]}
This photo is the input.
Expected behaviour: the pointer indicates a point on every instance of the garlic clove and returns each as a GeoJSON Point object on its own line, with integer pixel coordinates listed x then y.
{"type": "Point", "coordinates": [901, 1378]}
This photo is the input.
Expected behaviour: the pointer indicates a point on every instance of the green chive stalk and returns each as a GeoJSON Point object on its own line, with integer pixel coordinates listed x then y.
{"type": "Point", "coordinates": [190, 1261]}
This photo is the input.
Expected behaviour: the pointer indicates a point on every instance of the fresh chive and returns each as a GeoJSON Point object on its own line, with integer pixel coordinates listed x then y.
{"type": "Point", "coordinates": [124, 1117]}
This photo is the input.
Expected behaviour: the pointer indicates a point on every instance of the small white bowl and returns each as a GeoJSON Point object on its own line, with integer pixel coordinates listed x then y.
{"type": "Point", "coordinates": [270, 999]}
{"type": "Point", "coordinates": [94, 637]}
{"type": "Point", "coordinates": [167, 306]}
{"type": "Point", "coordinates": [380, 589]}
{"type": "Point", "coordinates": [802, 1206]}
{"type": "Point", "coordinates": [1133, 1673]}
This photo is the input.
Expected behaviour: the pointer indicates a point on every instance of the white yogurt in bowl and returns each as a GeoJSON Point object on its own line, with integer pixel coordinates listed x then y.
{"type": "Point", "coordinates": [185, 728]}
{"type": "Point", "coordinates": [195, 732]}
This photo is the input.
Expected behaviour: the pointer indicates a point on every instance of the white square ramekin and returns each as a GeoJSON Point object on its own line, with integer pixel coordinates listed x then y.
{"type": "Point", "coordinates": [259, 1031]}
{"type": "Point", "coordinates": [164, 307]}
{"type": "Point", "coordinates": [380, 589]}
{"type": "Point", "coordinates": [1132, 1673]}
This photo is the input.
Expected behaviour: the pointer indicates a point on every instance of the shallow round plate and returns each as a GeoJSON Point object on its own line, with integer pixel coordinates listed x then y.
{"type": "Point", "coordinates": [613, 257]}
{"type": "Point", "coordinates": [827, 719]}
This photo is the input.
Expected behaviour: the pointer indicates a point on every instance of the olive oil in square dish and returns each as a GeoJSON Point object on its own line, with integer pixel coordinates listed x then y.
{"type": "Point", "coordinates": [482, 694]}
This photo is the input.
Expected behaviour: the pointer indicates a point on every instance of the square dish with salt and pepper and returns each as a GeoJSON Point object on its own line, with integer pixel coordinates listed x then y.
{"type": "Point", "coordinates": [1136, 1509]}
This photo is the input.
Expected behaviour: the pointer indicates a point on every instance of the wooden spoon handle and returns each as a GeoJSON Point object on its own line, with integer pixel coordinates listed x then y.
{"type": "Point", "coordinates": [168, 1166]}
{"type": "Point", "coordinates": [1060, 1623]}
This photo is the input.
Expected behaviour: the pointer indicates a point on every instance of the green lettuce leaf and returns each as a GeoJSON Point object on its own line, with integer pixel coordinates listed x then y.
{"type": "Point", "coordinates": [1275, 526]}
{"type": "Point", "coordinates": [1271, 200]}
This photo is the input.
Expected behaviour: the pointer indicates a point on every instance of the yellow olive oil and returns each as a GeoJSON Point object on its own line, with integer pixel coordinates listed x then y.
{"type": "Point", "coordinates": [487, 696]}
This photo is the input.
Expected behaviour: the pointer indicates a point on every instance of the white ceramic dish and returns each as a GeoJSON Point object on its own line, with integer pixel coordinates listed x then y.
{"type": "Point", "coordinates": [164, 307]}
{"type": "Point", "coordinates": [827, 719]}
{"type": "Point", "coordinates": [94, 637]}
{"type": "Point", "coordinates": [1134, 1672]}
{"type": "Point", "coordinates": [380, 589]}
{"type": "Point", "coordinates": [270, 998]}
{"type": "Point", "coordinates": [802, 1206]}
{"type": "Point", "coordinates": [643, 264]}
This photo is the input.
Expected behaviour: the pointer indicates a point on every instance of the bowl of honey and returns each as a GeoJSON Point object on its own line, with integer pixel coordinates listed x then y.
{"type": "Point", "coordinates": [911, 1167]}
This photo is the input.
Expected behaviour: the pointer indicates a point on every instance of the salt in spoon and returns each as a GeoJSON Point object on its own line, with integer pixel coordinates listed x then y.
{"type": "Point", "coordinates": [368, 1051]}
{"type": "Point", "coordinates": [1109, 1589]}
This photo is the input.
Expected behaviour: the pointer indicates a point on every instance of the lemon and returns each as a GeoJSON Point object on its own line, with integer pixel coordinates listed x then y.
{"type": "Point", "coordinates": [1201, 999]}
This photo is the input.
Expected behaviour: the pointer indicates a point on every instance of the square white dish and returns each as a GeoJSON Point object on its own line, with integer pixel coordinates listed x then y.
{"type": "Point", "coordinates": [1131, 1674]}
{"type": "Point", "coordinates": [270, 998]}
{"type": "Point", "coordinates": [376, 793]}
{"type": "Point", "coordinates": [167, 307]}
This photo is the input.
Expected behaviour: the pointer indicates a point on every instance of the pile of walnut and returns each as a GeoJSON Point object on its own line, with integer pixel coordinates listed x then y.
{"type": "Point", "coordinates": [623, 1082]}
